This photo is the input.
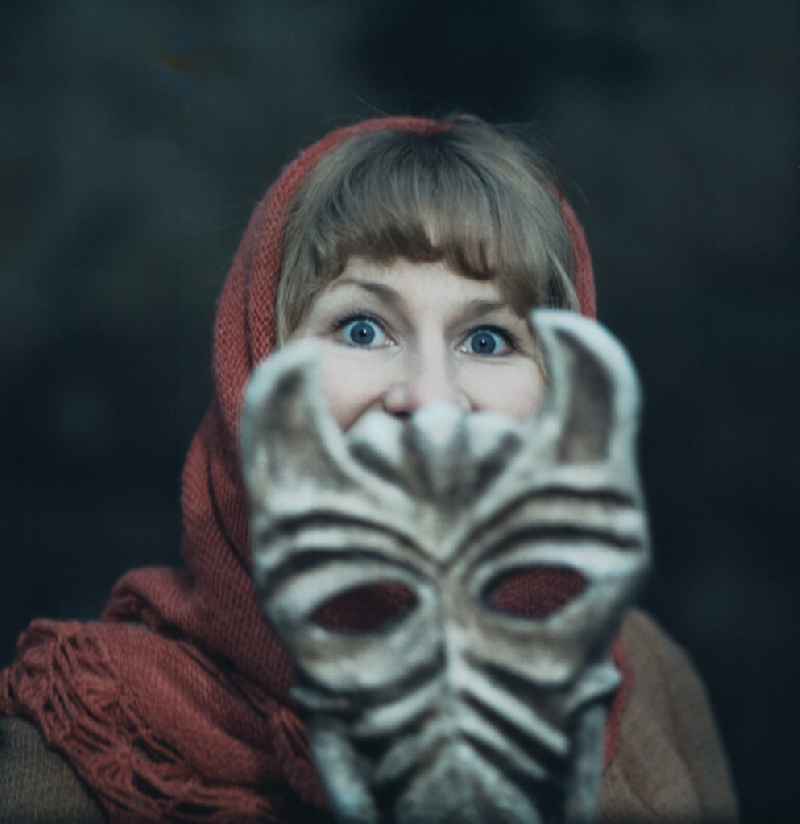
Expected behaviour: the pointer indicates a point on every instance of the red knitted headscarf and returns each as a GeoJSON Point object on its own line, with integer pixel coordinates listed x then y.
{"type": "Point", "coordinates": [175, 705]}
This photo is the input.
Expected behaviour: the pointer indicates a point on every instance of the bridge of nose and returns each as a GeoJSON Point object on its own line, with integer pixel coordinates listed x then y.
{"type": "Point", "coordinates": [427, 374]}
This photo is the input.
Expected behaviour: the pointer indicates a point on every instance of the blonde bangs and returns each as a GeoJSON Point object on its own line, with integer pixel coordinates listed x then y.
{"type": "Point", "coordinates": [470, 196]}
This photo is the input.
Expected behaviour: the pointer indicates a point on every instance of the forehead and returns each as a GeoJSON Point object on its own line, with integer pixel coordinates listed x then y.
{"type": "Point", "coordinates": [432, 284]}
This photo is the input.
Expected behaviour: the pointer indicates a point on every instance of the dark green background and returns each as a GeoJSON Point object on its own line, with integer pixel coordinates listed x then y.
{"type": "Point", "coordinates": [135, 138]}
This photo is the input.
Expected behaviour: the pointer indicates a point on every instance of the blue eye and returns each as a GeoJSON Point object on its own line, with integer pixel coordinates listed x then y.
{"type": "Point", "coordinates": [487, 341]}
{"type": "Point", "coordinates": [363, 332]}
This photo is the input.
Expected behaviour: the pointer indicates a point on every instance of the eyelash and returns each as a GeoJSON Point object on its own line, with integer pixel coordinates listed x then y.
{"type": "Point", "coordinates": [340, 323]}
{"type": "Point", "coordinates": [509, 337]}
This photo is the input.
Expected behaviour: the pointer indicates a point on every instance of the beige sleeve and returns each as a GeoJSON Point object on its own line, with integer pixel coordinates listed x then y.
{"type": "Point", "coordinates": [37, 785]}
{"type": "Point", "coordinates": [670, 765]}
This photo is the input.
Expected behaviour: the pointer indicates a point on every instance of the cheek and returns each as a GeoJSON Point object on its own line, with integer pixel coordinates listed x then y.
{"type": "Point", "coordinates": [515, 390]}
{"type": "Point", "coordinates": [350, 385]}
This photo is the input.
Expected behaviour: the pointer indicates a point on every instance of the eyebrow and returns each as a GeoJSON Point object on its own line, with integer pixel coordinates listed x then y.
{"type": "Point", "coordinates": [471, 309]}
{"type": "Point", "coordinates": [391, 296]}
{"type": "Point", "coordinates": [478, 307]}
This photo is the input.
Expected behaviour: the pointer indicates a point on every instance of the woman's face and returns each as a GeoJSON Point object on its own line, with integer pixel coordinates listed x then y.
{"type": "Point", "coordinates": [401, 336]}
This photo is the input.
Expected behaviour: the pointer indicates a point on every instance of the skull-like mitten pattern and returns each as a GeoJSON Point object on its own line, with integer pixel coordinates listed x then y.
{"type": "Point", "coordinates": [457, 709]}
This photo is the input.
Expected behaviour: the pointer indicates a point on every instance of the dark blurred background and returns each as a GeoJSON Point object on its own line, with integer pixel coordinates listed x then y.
{"type": "Point", "coordinates": [136, 138]}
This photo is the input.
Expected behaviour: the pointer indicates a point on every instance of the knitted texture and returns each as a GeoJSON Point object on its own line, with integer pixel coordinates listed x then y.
{"type": "Point", "coordinates": [175, 705]}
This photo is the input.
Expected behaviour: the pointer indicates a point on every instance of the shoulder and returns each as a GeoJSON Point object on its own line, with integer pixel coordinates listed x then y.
{"type": "Point", "coordinates": [37, 785]}
{"type": "Point", "coordinates": [670, 763]}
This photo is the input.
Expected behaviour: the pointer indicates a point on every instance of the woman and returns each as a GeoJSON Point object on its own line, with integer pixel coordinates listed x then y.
{"type": "Point", "coordinates": [412, 248]}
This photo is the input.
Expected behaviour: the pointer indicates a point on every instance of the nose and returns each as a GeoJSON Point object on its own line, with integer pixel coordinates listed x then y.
{"type": "Point", "coordinates": [424, 381]}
